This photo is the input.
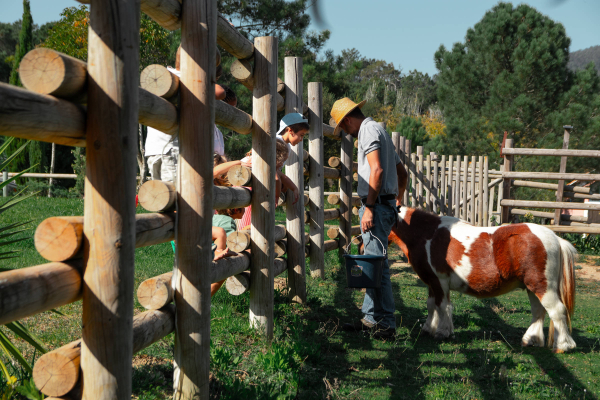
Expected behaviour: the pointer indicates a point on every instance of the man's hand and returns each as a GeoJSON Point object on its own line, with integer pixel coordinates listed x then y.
{"type": "Point", "coordinates": [366, 223]}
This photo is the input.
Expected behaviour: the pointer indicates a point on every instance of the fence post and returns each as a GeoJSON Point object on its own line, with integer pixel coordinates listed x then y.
{"type": "Point", "coordinates": [316, 180]}
{"type": "Point", "coordinates": [109, 209]}
{"type": "Point", "coordinates": [465, 188]}
{"type": "Point", "coordinates": [480, 191]}
{"type": "Point", "coordinates": [563, 169]}
{"type": "Point", "coordinates": [457, 189]}
{"type": "Point", "coordinates": [450, 186]}
{"type": "Point", "coordinates": [408, 158]}
{"type": "Point", "coordinates": [295, 171]}
{"type": "Point", "coordinates": [264, 110]}
{"type": "Point", "coordinates": [345, 192]}
{"type": "Point", "coordinates": [4, 179]}
{"type": "Point", "coordinates": [505, 194]}
{"type": "Point", "coordinates": [420, 176]}
{"type": "Point", "coordinates": [443, 185]}
{"type": "Point", "coordinates": [485, 218]}
{"type": "Point", "coordinates": [473, 208]}
{"type": "Point", "coordinates": [191, 278]}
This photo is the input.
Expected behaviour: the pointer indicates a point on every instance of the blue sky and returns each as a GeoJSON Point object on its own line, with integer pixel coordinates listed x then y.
{"type": "Point", "coordinates": [405, 32]}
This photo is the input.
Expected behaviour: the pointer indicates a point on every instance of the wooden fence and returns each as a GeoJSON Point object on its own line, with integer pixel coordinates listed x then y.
{"type": "Point", "coordinates": [92, 256]}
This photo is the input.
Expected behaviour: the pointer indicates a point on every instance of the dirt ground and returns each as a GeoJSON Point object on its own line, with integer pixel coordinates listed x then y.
{"type": "Point", "coordinates": [590, 268]}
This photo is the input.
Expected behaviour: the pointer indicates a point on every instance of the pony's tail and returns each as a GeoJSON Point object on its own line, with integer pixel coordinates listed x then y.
{"type": "Point", "coordinates": [566, 284]}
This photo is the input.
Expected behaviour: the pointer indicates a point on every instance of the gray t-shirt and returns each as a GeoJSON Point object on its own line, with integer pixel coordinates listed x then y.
{"type": "Point", "coordinates": [371, 137]}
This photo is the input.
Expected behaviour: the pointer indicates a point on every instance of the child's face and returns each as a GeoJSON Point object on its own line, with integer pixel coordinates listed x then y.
{"type": "Point", "coordinates": [297, 137]}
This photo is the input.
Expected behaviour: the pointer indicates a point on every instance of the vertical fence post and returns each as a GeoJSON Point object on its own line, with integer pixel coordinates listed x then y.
{"type": "Point", "coordinates": [436, 201]}
{"type": "Point", "coordinates": [480, 191]}
{"type": "Point", "coordinates": [457, 189]}
{"type": "Point", "coordinates": [443, 185]}
{"type": "Point", "coordinates": [191, 279]}
{"type": "Point", "coordinates": [485, 217]}
{"type": "Point", "coordinates": [264, 113]}
{"type": "Point", "coordinates": [109, 209]}
{"type": "Point", "coordinates": [506, 182]}
{"type": "Point", "coordinates": [407, 158]}
{"type": "Point", "coordinates": [420, 176]}
{"type": "Point", "coordinates": [413, 180]}
{"type": "Point", "coordinates": [465, 187]}
{"type": "Point", "coordinates": [4, 179]}
{"type": "Point", "coordinates": [428, 183]}
{"type": "Point", "coordinates": [472, 190]}
{"type": "Point", "coordinates": [295, 171]}
{"type": "Point", "coordinates": [450, 186]}
{"type": "Point", "coordinates": [345, 192]}
{"type": "Point", "coordinates": [491, 205]}
{"type": "Point", "coordinates": [563, 169]}
{"type": "Point", "coordinates": [316, 180]}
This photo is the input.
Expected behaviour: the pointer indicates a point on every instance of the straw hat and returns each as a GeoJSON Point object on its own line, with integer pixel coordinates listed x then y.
{"type": "Point", "coordinates": [341, 108]}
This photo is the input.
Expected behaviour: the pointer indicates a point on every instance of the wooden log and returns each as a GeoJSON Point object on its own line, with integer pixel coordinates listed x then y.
{"type": "Point", "coordinates": [472, 192]}
{"type": "Point", "coordinates": [230, 39]}
{"type": "Point", "coordinates": [550, 175]}
{"type": "Point", "coordinates": [158, 196]}
{"type": "Point", "coordinates": [549, 215]}
{"type": "Point", "coordinates": [46, 71]}
{"type": "Point", "coordinates": [574, 229]}
{"type": "Point", "coordinates": [240, 283]}
{"type": "Point", "coordinates": [243, 72]}
{"type": "Point", "coordinates": [280, 248]}
{"type": "Point", "coordinates": [328, 173]}
{"type": "Point", "coordinates": [456, 188]}
{"type": "Point", "coordinates": [294, 170]}
{"type": "Point", "coordinates": [552, 152]}
{"type": "Point", "coordinates": [347, 200]}
{"type": "Point", "coordinates": [43, 175]}
{"type": "Point", "coordinates": [420, 177]}
{"type": "Point", "coordinates": [331, 213]}
{"type": "Point", "coordinates": [572, 195]}
{"type": "Point", "coordinates": [562, 170]}
{"type": "Point", "coordinates": [427, 183]}
{"type": "Point", "coordinates": [239, 175]}
{"type": "Point", "coordinates": [328, 131]}
{"type": "Point", "coordinates": [551, 186]}
{"type": "Point", "coordinates": [484, 206]}
{"type": "Point", "coordinates": [334, 200]}
{"type": "Point", "coordinates": [329, 245]}
{"type": "Point", "coordinates": [263, 204]}
{"type": "Point", "coordinates": [443, 185]}
{"type": "Point", "coordinates": [157, 113]}
{"type": "Point", "coordinates": [155, 293]}
{"type": "Point", "coordinates": [336, 162]}
{"type": "Point", "coordinates": [316, 180]}
{"type": "Point", "coordinates": [60, 238]}
{"type": "Point", "coordinates": [239, 241]}
{"type": "Point", "coordinates": [355, 211]}
{"type": "Point", "coordinates": [491, 205]}
{"type": "Point", "coordinates": [33, 116]}
{"type": "Point", "coordinates": [109, 210]}
{"type": "Point", "coordinates": [232, 118]}
{"type": "Point", "coordinates": [465, 188]}
{"type": "Point", "coordinates": [56, 373]}
{"type": "Point", "coordinates": [550, 204]}
{"type": "Point", "coordinates": [506, 193]}
{"type": "Point", "coordinates": [196, 195]}
{"type": "Point", "coordinates": [159, 81]}
{"type": "Point", "coordinates": [334, 232]}
{"type": "Point", "coordinates": [407, 155]}
{"type": "Point", "coordinates": [480, 193]}
{"type": "Point", "coordinates": [412, 167]}
{"type": "Point", "coordinates": [32, 290]}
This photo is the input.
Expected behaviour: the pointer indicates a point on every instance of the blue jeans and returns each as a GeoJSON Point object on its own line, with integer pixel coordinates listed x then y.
{"type": "Point", "coordinates": [378, 305]}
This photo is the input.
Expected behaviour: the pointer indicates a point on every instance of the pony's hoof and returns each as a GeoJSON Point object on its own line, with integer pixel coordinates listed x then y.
{"type": "Point", "coordinates": [532, 342]}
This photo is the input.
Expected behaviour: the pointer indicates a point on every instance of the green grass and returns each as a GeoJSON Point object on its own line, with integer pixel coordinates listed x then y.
{"type": "Point", "coordinates": [311, 358]}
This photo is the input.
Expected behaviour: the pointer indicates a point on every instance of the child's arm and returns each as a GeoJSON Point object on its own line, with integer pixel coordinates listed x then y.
{"type": "Point", "coordinates": [222, 169]}
{"type": "Point", "coordinates": [287, 184]}
{"type": "Point", "coordinates": [219, 92]}
{"type": "Point", "coordinates": [220, 238]}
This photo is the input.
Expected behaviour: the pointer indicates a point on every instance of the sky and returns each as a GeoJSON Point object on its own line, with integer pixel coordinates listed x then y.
{"type": "Point", "coordinates": [405, 32]}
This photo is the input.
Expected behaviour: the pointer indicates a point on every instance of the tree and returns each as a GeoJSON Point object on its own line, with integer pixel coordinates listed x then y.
{"type": "Point", "coordinates": [510, 74]}
{"type": "Point", "coordinates": [35, 155]}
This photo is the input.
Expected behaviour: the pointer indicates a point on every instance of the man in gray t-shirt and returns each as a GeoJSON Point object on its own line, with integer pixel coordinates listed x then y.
{"type": "Point", "coordinates": [381, 183]}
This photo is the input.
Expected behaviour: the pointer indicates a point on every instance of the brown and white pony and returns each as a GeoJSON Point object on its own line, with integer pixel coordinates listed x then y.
{"type": "Point", "coordinates": [449, 254]}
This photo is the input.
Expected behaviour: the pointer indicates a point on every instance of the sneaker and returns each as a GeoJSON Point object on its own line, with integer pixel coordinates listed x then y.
{"type": "Point", "coordinates": [358, 326]}
{"type": "Point", "coordinates": [383, 333]}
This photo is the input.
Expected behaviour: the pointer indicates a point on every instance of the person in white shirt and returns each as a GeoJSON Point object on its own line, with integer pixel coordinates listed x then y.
{"type": "Point", "coordinates": [162, 150]}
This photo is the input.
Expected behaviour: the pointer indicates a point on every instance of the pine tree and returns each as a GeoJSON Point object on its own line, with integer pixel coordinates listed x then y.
{"type": "Point", "coordinates": [34, 155]}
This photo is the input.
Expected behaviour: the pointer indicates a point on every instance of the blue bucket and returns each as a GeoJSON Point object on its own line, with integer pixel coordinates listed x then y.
{"type": "Point", "coordinates": [364, 271]}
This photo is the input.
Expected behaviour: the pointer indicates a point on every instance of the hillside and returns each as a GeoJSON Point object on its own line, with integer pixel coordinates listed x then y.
{"type": "Point", "coordinates": [581, 58]}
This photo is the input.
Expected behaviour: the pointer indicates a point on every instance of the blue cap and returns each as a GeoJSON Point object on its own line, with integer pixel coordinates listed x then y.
{"type": "Point", "coordinates": [290, 119]}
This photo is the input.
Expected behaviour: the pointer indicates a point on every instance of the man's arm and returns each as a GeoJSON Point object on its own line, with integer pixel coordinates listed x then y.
{"type": "Point", "coordinates": [375, 182]}
{"type": "Point", "coordinates": [287, 184]}
{"type": "Point", "coordinates": [402, 182]}
{"type": "Point", "coordinates": [376, 177]}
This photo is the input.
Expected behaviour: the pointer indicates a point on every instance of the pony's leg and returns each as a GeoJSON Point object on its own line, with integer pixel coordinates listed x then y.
{"type": "Point", "coordinates": [558, 314]}
{"type": "Point", "coordinates": [535, 334]}
{"type": "Point", "coordinates": [445, 327]}
{"type": "Point", "coordinates": [430, 325]}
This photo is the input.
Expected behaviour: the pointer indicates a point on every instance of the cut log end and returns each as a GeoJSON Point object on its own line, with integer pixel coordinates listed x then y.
{"type": "Point", "coordinates": [157, 196]}
{"type": "Point", "coordinates": [159, 81]}
{"type": "Point", "coordinates": [240, 176]}
{"type": "Point", "coordinates": [57, 373]}
{"type": "Point", "coordinates": [239, 241]}
{"type": "Point", "coordinates": [59, 238]}
{"type": "Point", "coordinates": [155, 293]}
{"type": "Point", "coordinates": [238, 284]}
